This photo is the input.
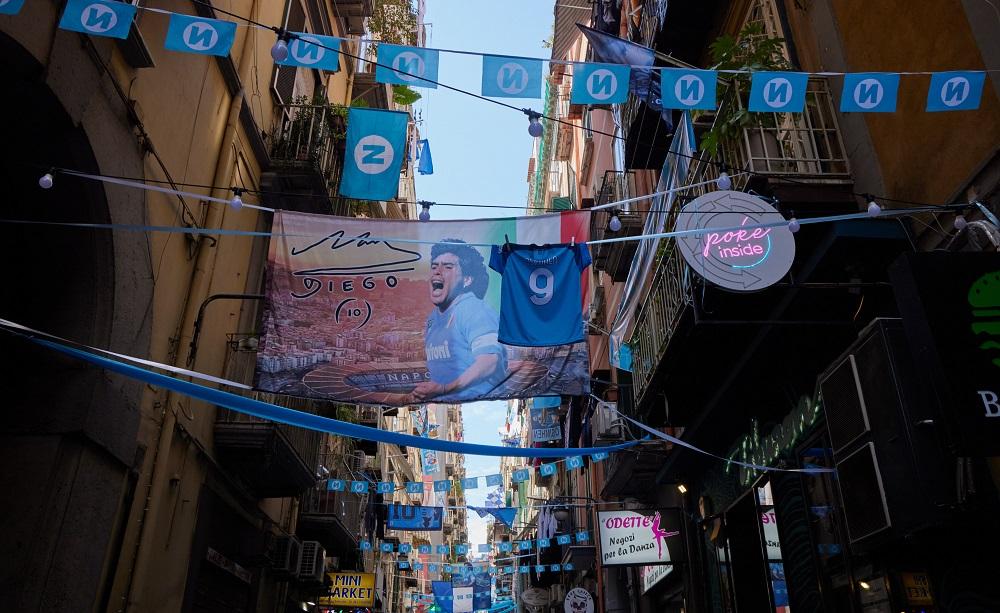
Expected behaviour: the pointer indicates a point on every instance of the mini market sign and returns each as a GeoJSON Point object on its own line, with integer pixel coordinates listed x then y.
{"type": "Point", "coordinates": [731, 252]}
{"type": "Point", "coordinates": [351, 590]}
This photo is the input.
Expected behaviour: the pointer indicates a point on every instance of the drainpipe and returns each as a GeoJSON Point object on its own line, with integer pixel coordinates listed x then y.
{"type": "Point", "coordinates": [199, 286]}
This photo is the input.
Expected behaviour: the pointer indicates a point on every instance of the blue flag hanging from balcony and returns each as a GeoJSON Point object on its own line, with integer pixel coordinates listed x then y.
{"type": "Point", "coordinates": [426, 165]}
{"type": "Point", "coordinates": [644, 83]}
{"type": "Point", "coordinates": [504, 514]}
{"type": "Point", "coordinates": [411, 66]}
{"type": "Point", "coordinates": [188, 34]}
{"type": "Point", "coordinates": [778, 92]}
{"type": "Point", "coordinates": [313, 51]}
{"type": "Point", "coordinates": [98, 17]}
{"type": "Point", "coordinates": [508, 77]}
{"type": "Point", "coordinates": [376, 146]}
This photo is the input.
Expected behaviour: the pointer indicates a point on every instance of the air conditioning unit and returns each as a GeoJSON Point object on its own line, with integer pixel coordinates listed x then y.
{"type": "Point", "coordinates": [607, 423]}
{"type": "Point", "coordinates": [312, 564]}
{"type": "Point", "coordinates": [356, 461]}
{"type": "Point", "coordinates": [284, 556]}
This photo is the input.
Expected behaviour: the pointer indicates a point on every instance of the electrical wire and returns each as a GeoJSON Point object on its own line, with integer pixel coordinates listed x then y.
{"type": "Point", "coordinates": [282, 32]}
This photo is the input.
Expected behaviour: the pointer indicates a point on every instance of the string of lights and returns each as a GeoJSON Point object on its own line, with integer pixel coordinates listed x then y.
{"type": "Point", "coordinates": [279, 52]}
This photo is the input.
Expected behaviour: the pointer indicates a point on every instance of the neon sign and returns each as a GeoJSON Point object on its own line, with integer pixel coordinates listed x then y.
{"type": "Point", "coordinates": [735, 257]}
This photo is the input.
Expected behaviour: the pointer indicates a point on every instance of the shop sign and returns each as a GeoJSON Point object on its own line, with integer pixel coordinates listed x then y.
{"type": "Point", "coordinates": [764, 450]}
{"type": "Point", "coordinates": [350, 590]}
{"type": "Point", "coordinates": [578, 600]}
{"type": "Point", "coordinates": [732, 253]}
{"type": "Point", "coordinates": [917, 589]}
{"type": "Point", "coordinates": [950, 304]}
{"type": "Point", "coordinates": [228, 565]}
{"type": "Point", "coordinates": [640, 537]}
{"type": "Point", "coordinates": [651, 575]}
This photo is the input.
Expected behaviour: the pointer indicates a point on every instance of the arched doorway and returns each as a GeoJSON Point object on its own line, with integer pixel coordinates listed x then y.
{"type": "Point", "coordinates": [68, 437]}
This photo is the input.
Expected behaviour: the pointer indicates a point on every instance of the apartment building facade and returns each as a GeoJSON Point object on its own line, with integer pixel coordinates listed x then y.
{"type": "Point", "coordinates": [753, 377]}
{"type": "Point", "coordinates": [125, 497]}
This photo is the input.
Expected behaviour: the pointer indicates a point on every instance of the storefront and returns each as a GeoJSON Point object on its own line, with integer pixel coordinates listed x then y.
{"type": "Point", "coordinates": [907, 522]}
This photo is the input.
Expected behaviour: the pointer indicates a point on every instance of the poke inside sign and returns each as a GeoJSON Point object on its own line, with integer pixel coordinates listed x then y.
{"type": "Point", "coordinates": [732, 251]}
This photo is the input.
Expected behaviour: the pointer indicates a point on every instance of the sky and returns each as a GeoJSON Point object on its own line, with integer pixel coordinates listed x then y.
{"type": "Point", "coordinates": [480, 153]}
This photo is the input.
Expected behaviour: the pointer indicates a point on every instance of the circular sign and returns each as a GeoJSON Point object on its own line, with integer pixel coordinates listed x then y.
{"type": "Point", "coordinates": [730, 250]}
{"type": "Point", "coordinates": [535, 597]}
{"type": "Point", "coordinates": [579, 600]}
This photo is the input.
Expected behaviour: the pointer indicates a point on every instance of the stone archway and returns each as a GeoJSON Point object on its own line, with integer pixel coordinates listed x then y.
{"type": "Point", "coordinates": [68, 438]}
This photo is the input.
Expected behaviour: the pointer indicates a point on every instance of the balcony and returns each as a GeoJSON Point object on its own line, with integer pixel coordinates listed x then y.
{"type": "Point", "coordinates": [805, 147]}
{"type": "Point", "coordinates": [272, 460]}
{"type": "Point", "coordinates": [335, 519]}
{"type": "Point", "coordinates": [354, 13]}
{"type": "Point", "coordinates": [634, 474]}
{"type": "Point", "coordinates": [615, 258]}
{"type": "Point", "coordinates": [307, 152]}
{"type": "Point", "coordinates": [374, 94]}
{"type": "Point", "coordinates": [659, 317]}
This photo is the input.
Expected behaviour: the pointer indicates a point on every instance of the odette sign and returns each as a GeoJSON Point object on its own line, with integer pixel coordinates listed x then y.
{"type": "Point", "coordinates": [638, 538]}
{"type": "Point", "coordinates": [731, 252]}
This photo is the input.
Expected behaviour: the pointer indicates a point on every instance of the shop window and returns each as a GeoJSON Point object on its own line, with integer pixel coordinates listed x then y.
{"type": "Point", "coordinates": [825, 524]}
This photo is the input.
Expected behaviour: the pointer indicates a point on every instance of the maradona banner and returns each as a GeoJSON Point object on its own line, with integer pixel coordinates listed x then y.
{"type": "Point", "coordinates": [353, 315]}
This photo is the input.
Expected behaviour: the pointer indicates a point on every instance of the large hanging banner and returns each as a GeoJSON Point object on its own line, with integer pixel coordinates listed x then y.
{"type": "Point", "coordinates": [353, 315]}
{"type": "Point", "coordinates": [414, 517]}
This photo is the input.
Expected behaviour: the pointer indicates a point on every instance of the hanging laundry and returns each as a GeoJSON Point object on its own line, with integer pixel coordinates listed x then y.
{"type": "Point", "coordinates": [540, 294]}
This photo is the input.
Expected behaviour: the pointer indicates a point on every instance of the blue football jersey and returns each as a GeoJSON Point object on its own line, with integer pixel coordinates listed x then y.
{"type": "Point", "coordinates": [540, 297]}
{"type": "Point", "coordinates": [455, 337]}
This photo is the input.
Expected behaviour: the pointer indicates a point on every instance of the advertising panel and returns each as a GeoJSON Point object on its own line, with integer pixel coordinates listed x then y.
{"type": "Point", "coordinates": [640, 537]}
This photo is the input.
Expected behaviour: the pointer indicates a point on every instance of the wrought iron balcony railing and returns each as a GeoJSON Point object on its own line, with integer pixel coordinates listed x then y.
{"type": "Point", "coordinates": [310, 137]}
{"type": "Point", "coordinates": [274, 459]}
{"type": "Point", "coordinates": [615, 258]}
{"type": "Point", "coordinates": [804, 146]}
{"type": "Point", "coordinates": [657, 321]}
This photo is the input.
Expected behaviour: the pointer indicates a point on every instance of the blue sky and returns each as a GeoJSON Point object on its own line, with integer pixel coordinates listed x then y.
{"type": "Point", "coordinates": [480, 151]}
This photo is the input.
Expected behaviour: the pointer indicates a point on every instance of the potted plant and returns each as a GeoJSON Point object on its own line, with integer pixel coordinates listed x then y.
{"type": "Point", "coordinates": [748, 52]}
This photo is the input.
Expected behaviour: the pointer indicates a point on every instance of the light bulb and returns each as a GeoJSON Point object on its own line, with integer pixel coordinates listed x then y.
{"type": "Point", "coordinates": [534, 126]}
{"type": "Point", "coordinates": [279, 51]}
{"type": "Point", "coordinates": [724, 181]}
{"type": "Point", "coordinates": [236, 202]}
{"type": "Point", "coordinates": [45, 181]}
{"type": "Point", "coordinates": [960, 222]}
{"type": "Point", "coordinates": [615, 224]}
{"type": "Point", "coordinates": [793, 225]}
{"type": "Point", "coordinates": [874, 210]}
{"type": "Point", "coordinates": [425, 213]}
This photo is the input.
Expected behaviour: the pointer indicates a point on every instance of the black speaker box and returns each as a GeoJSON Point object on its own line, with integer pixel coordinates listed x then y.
{"type": "Point", "coordinates": [894, 474]}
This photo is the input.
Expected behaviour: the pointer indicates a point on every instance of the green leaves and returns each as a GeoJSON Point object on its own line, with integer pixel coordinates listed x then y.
{"type": "Point", "coordinates": [403, 95]}
{"type": "Point", "coordinates": [752, 50]}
